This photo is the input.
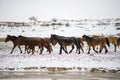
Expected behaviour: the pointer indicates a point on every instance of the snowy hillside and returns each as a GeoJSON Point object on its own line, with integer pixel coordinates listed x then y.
{"type": "Point", "coordinates": [100, 62]}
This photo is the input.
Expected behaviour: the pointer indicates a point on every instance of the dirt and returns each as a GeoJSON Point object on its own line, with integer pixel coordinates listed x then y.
{"type": "Point", "coordinates": [36, 75]}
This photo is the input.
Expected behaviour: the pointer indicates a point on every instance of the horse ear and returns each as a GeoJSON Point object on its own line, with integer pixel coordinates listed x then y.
{"type": "Point", "coordinates": [83, 35]}
{"type": "Point", "coordinates": [8, 35]}
{"type": "Point", "coordinates": [52, 34]}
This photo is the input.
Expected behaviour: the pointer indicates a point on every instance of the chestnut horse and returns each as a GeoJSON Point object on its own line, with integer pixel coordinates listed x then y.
{"type": "Point", "coordinates": [96, 40]}
{"type": "Point", "coordinates": [15, 41]}
{"type": "Point", "coordinates": [47, 41]}
{"type": "Point", "coordinates": [65, 41]}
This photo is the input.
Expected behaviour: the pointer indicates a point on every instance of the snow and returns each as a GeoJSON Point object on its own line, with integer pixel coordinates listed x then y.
{"type": "Point", "coordinates": [109, 61]}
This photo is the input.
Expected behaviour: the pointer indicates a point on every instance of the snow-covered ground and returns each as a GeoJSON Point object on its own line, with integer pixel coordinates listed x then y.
{"type": "Point", "coordinates": [68, 62]}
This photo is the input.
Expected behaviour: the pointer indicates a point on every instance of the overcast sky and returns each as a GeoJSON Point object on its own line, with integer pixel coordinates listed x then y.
{"type": "Point", "coordinates": [20, 10]}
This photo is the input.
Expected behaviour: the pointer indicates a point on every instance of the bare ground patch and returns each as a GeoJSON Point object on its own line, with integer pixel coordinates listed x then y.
{"type": "Point", "coordinates": [2, 39]}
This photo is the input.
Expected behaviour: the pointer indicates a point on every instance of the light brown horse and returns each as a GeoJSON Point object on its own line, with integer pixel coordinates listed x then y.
{"type": "Point", "coordinates": [95, 41]}
{"type": "Point", "coordinates": [31, 42]}
{"type": "Point", "coordinates": [114, 40]}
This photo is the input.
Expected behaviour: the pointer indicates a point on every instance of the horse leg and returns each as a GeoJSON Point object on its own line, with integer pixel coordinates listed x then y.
{"type": "Point", "coordinates": [41, 50]}
{"type": "Point", "coordinates": [60, 50]}
{"type": "Point", "coordinates": [65, 49]}
{"type": "Point", "coordinates": [94, 49]}
{"type": "Point", "coordinates": [82, 49]}
{"type": "Point", "coordinates": [28, 49]}
{"type": "Point", "coordinates": [72, 48]}
{"type": "Point", "coordinates": [115, 47]}
{"type": "Point", "coordinates": [20, 49]}
{"type": "Point", "coordinates": [12, 49]}
{"type": "Point", "coordinates": [101, 47]}
{"type": "Point", "coordinates": [78, 50]}
{"type": "Point", "coordinates": [33, 50]}
{"type": "Point", "coordinates": [49, 48]}
{"type": "Point", "coordinates": [105, 49]}
{"type": "Point", "coordinates": [89, 50]}
{"type": "Point", "coordinates": [38, 49]}
{"type": "Point", "coordinates": [25, 49]}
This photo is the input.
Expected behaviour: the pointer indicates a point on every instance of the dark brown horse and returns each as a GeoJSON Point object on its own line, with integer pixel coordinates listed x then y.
{"type": "Point", "coordinates": [96, 40]}
{"type": "Point", "coordinates": [31, 42]}
{"type": "Point", "coordinates": [15, 41]}
{"type": "Point", "coordinates": [65, 41]}
{"type": "Point", "coordinates": [80, 41]}
{"type": "Point", "coordinates": [118, 41]}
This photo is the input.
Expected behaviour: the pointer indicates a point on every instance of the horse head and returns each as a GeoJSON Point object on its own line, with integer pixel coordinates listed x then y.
{"type": "Point", "coordinates": [52, 39]}
{"type": "Point", "coordinates": [86, 37]}
{"type": "Point", "coordinates": [7, 38]}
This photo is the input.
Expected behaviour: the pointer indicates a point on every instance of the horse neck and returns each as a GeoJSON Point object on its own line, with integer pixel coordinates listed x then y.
{"type": "Point", "coordinates": [13, 39]}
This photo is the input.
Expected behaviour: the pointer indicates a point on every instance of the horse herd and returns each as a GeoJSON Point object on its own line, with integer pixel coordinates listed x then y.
{"type": "Point", "coordinates": [94, 41]}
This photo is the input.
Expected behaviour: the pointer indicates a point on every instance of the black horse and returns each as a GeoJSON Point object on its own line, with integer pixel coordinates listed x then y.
{"type": "Point", "coordinates": [66, 41]}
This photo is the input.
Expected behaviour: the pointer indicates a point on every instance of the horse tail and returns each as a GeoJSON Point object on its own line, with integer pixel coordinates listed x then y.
{"type": "Point", "coordinates": [118, 42]}
{"type": "Point", "coordinates": [107, 41]}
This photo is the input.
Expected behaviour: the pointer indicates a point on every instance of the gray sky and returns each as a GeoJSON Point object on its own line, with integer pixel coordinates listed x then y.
{"type": "Point", "coordinates": [20, 10]}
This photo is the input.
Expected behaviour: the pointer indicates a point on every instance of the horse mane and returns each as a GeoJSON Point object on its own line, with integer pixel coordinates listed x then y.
{"type": "Point", "coordinates": [20, 36]}
{"type": "Point", "coordinates": [13, 37]}
{"type": "Point", "coordinates": [90, 38]}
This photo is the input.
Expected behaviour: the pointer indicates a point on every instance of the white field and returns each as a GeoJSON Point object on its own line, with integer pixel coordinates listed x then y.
{"type": "Point", "coordinates": [109, 61]}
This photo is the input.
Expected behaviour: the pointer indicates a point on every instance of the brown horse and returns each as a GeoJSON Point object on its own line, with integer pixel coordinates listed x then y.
{"type": "Point", "coordinates": [31, 42]}
{"type": "Point", "coordinates": [65, 41]}
{"type": "Point", "coordinates": [96, 40]}
{"type": "Point", "coordinates": [80, 41]}
{"type": "Point", "coordinates": [118, 41]}
{"type": "Point", "coordinates": [47, 41]}
{"type": "Point", "coordinates": [15, 41]}
{"type": "Point", "coordinates": [113, 40]}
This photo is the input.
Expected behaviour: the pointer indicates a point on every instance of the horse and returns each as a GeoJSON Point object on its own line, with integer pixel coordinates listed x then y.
{"type": "Point", "coordinates": [113, 40]}
{"type": "Point", "coordinates": [47, 41]}
{"type": "Point", "coordinates": [65, 41]}
{"type": "Point", "coordinates": [15, 41]}
{"type": "Point", "coordinates": [80, 41]}
{"type": "Point", "coordinates": [31, 42]}
{"type": "Point", "coordinates": [95, 41]}
{"type": "Point", "coordinates": [118, 41]}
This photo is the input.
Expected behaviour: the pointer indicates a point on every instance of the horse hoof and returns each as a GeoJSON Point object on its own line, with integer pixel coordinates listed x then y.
{"type": "Point", "coordinates": [88, 53]}
{"type": "Point", "coordinates": [106, 51]}
{"type": "Point", "coordinates": [59, 53]}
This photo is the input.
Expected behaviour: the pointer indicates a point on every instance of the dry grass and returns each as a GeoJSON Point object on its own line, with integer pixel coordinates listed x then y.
{"type": "Point", "coordinates": [2, 39]}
